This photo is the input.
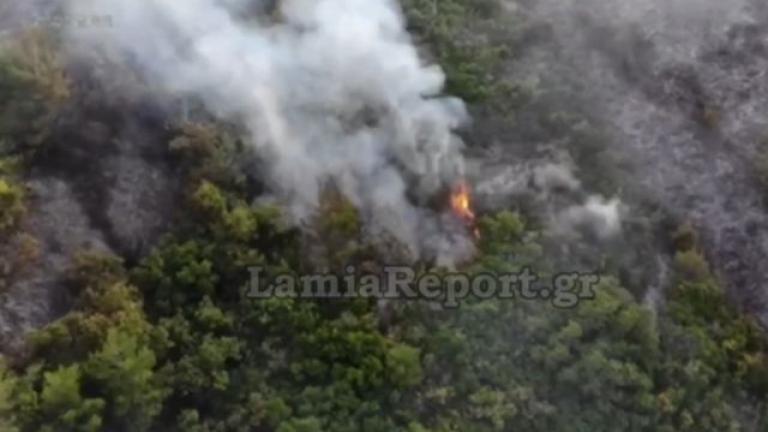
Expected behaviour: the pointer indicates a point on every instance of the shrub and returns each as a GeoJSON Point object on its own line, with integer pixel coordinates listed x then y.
{"type": "Point", "coordinates": [33, 88]}
{"type": "Point", "coordinates": [11, 205]}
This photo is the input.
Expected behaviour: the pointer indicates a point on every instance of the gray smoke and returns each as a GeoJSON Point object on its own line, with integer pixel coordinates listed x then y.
{"type": "Point", "coordinates": [329, 90]}
{"type": "Point", "coordinates": [554, 193]}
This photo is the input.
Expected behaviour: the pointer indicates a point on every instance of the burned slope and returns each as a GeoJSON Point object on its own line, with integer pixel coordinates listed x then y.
{"type": "Point", "coordinates": [103, 182]}
{"type": "Point", "coordinates": [659, 105]}
{"type": "Point", "coordinates": [679, 89]}
{"type": "Point", "coordinates": [118, 165]}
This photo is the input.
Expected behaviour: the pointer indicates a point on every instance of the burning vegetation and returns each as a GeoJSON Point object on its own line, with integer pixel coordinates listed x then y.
{"type": "Point", "coordinates": [461, 206]}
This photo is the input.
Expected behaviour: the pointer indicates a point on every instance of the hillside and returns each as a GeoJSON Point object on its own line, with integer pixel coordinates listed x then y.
{"type": "Point", "coordinates": [380, 215]}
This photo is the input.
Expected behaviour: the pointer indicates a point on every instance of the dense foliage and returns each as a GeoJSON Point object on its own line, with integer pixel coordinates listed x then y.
{"type": "Point", "coordinates": [174, 344]}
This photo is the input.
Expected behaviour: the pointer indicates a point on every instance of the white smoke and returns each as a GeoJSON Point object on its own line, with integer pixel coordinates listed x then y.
{"type": "Point", "coordinates": [559, 198]}
{"type": "Point", "coordinates": [302, 85]}
{"type": "Point", "coordinates": [600, 216]}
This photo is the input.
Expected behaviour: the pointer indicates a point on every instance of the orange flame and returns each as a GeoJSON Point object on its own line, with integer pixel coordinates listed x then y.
{"type": "Point", "coordinates": [461, 204]}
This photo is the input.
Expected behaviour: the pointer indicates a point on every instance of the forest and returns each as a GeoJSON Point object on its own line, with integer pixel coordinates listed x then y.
{"type": "Point", "coordinates": [148, 161]}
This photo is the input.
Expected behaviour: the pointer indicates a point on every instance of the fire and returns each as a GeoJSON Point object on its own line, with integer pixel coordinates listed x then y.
{"type": "Point", "coordinates": [461, 204]}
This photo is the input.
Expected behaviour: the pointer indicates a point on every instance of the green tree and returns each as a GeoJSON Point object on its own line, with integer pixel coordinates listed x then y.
{"type": "Point", "coordinates": [7, 402]}
{"type": "Point", "coordinates": [124, 371]}
{"type": "Point", "coordinates": [62, 405]}
{"type": "Point", "coordinates": [11, 205]}
{"type": "Point", "coordinates": [34, 89]}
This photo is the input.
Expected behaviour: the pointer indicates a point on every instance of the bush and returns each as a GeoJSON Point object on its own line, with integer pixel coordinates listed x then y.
{"type": "Point", "coordinates": [11, 205]}
{"type": "Point", "coordinates": [33, 88]}
{"type": "Point", "coordinates": [692, 266]}
{"type": "Point", "coordinates": [761, 169]}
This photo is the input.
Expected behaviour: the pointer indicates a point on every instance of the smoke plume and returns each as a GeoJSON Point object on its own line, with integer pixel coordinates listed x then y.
{"type": "Point", "coordinates": [328, 90]}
